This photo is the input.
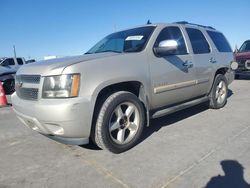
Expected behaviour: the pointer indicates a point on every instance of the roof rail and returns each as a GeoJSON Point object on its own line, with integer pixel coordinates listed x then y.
{"type": "Point", "coordinates": [187, 23]}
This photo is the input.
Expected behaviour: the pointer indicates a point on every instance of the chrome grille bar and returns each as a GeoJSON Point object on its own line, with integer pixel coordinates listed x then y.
{"type": "Point", "coordinates": [28, 93]}
{"type": "Point", "coordinates": [34, 79]}
{"type": "Point", "coordinates": [25, 91]}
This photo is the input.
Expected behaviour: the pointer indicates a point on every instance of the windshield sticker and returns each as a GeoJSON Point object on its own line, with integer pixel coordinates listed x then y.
{"type": "Point", "coordinates": [135, 37]}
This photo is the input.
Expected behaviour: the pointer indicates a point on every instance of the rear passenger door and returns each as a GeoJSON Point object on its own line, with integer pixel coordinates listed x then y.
{"type": "Point", "coordinates": [204, 58]}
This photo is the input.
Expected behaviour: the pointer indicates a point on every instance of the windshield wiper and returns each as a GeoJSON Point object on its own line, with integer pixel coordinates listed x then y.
{"type": "Point", "coordinates": [108, 51]}
{"type": "Point", "coordinates": [103, 52]}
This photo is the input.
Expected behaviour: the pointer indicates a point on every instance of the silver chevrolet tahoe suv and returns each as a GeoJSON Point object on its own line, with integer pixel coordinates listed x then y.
{"type": "Point", "coordinates": [111, 92]}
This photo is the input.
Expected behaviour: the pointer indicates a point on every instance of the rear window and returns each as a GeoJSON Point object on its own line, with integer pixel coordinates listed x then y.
{"type": "Point", "coordinates": [198, 41]}
{"type": "Point", "coordinates": [220, 41]}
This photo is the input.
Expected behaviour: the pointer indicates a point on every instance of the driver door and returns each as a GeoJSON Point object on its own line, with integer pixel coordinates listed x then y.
{"type": "Point", "coordinates": [173, 75]}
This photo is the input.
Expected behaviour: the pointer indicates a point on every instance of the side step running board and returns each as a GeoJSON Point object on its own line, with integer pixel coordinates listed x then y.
{"type": "Point", "coordinates": [182, 106]}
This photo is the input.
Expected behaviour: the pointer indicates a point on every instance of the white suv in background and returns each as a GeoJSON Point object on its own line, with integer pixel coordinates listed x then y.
{"type": "Point", "coordinates": [8, 68]}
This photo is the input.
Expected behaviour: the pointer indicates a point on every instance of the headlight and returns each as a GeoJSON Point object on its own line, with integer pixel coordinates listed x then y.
{"type": "Point", "coordinates": [62, 86]}
{"type": "Point", "coordinates": [234, 65]}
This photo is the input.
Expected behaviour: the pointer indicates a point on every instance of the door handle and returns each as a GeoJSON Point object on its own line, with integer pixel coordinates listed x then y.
{"type": "Point", "coordinates": [188, 64]}
{"type": "Point", "coordinates": [212, 60]}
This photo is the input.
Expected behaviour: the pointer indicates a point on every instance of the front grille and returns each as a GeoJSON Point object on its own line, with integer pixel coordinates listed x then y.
{"type": "Point", "coordinates": [248, 64]}
{"type": "Point", "coordinates": [241, 64]}
{"type": "Point", "coordinates": [28, 93]}
{"type": "Point", "coordinates": [33, 79]}
{"type": "Point", "coordinates": [27, 86]}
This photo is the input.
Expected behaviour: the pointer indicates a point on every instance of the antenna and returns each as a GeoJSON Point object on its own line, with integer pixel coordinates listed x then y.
{"type": "Point", "coordinates": [14, 50]}
{"type": "Point", "coordinates": [148, 22]}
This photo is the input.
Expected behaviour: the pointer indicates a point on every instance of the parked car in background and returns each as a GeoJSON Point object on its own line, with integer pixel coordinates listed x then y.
{"type": "Point", "coordinates": [8, 69]}
{"type": "Point", "coordinates": [110, 93]}
{"type": "Point", "coordinates": [242, 56]}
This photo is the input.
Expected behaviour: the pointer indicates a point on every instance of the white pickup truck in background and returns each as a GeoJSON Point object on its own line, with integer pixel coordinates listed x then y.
{"type": "Point", "coordinates": [8, 68]}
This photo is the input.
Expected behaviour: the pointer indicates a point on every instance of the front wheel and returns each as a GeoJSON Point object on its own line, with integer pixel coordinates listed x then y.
{"type": "Point", "coordinates": [219, 92]}
{"type": "Point", "coordinates": [120, 122]}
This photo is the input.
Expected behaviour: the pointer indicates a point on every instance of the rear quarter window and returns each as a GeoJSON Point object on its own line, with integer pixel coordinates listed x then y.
{"type": "Point", "coordinates": [219, 41]}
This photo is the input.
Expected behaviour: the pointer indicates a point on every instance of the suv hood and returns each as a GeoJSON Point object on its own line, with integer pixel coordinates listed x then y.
{"type": "Point", "coordinates": [242, 56]}
{"type": "Point", "coordinates": [56, 66]}
{"type": "Point", "coordinates": [6, 70]}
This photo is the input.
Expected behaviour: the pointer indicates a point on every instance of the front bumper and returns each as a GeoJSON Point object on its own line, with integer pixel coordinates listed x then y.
{"type": "Point", "coordinates": [243, 68]}
{"type": "Point", "coordinates": [64, 120]}
{"type": "Point", "coordinates": [242, 72]}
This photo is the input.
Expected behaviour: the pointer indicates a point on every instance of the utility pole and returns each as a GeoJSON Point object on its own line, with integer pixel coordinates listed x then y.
{"type": "Point", "coordinates": [14, 49]}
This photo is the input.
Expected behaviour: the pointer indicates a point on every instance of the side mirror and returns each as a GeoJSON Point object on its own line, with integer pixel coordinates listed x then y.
{"type": "Point", "coordinates": [166, 47]}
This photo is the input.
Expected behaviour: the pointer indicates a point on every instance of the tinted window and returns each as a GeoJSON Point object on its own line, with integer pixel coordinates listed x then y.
{"type": "Point", "coordinates": [8, 62]}
{"type": "Point", "coordinates": [245, 47]}
{"type": "Point", "coordinates": [220, 41]}
{"type": "Point", "coordinates": [173, 33]}
{"type": "Point", "coordinates": [198, 41]}
{"type": "Point", "coordinates": [132, 40]}
{"type": "Point", "coordinates": [19, 61]}
{"type": "Point", "coordinates": [1, 60]}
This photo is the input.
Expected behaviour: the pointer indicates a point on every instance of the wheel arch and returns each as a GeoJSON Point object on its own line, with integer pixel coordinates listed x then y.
{"type": "Point", "coordinates": [221, 70]}
{"type": "Point", "coordinates": [135, 87]}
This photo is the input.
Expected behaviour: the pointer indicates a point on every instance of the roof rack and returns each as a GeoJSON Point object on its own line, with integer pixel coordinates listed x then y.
{"type": "Point", "coordinates": [187, 23]}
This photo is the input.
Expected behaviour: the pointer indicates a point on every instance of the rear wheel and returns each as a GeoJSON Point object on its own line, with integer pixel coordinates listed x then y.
{"type": "Point", "coordinates": [218, 94]}
{"type": "Point", "coordinates": [120, 122]}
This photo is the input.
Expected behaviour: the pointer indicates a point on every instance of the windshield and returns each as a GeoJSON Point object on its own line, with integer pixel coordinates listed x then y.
{"type": "Point", "coordinates": [132, 40]}
{"type": "Point", "coordinates": [245, 47]}
{"type": "Point", "coordinates": [1, 60]}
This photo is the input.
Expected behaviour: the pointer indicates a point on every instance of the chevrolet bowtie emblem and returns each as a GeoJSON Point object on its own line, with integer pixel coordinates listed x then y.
{"type": "Point", "coordinates": [19, 84]}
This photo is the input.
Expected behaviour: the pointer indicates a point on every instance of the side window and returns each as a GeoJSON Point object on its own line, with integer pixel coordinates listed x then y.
{"type": "Point", "coordinates": [198, 41]}
{"type": "Point", "coordinates": [19, 61]}
{"type": "Point", "coordinates": [173, 33]}
{"type": "Point", "coordinates": [8, 62]}
{"type": "Point", "coordinates": [220, 41]}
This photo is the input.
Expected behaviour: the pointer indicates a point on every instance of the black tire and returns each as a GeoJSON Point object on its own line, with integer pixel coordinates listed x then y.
{"type": "Point", "coordinates": [9, 86]}
{"type": "Point", "coordinates": [214, 103]}
{"type": "Point", "coordinates": [104, 135]}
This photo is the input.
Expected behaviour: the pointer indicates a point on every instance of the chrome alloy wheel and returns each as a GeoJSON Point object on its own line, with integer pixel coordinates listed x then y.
{"type": "Point", "coordinates": [124, 123]}
{"type": "Point", "coordinates": [221, 92]}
